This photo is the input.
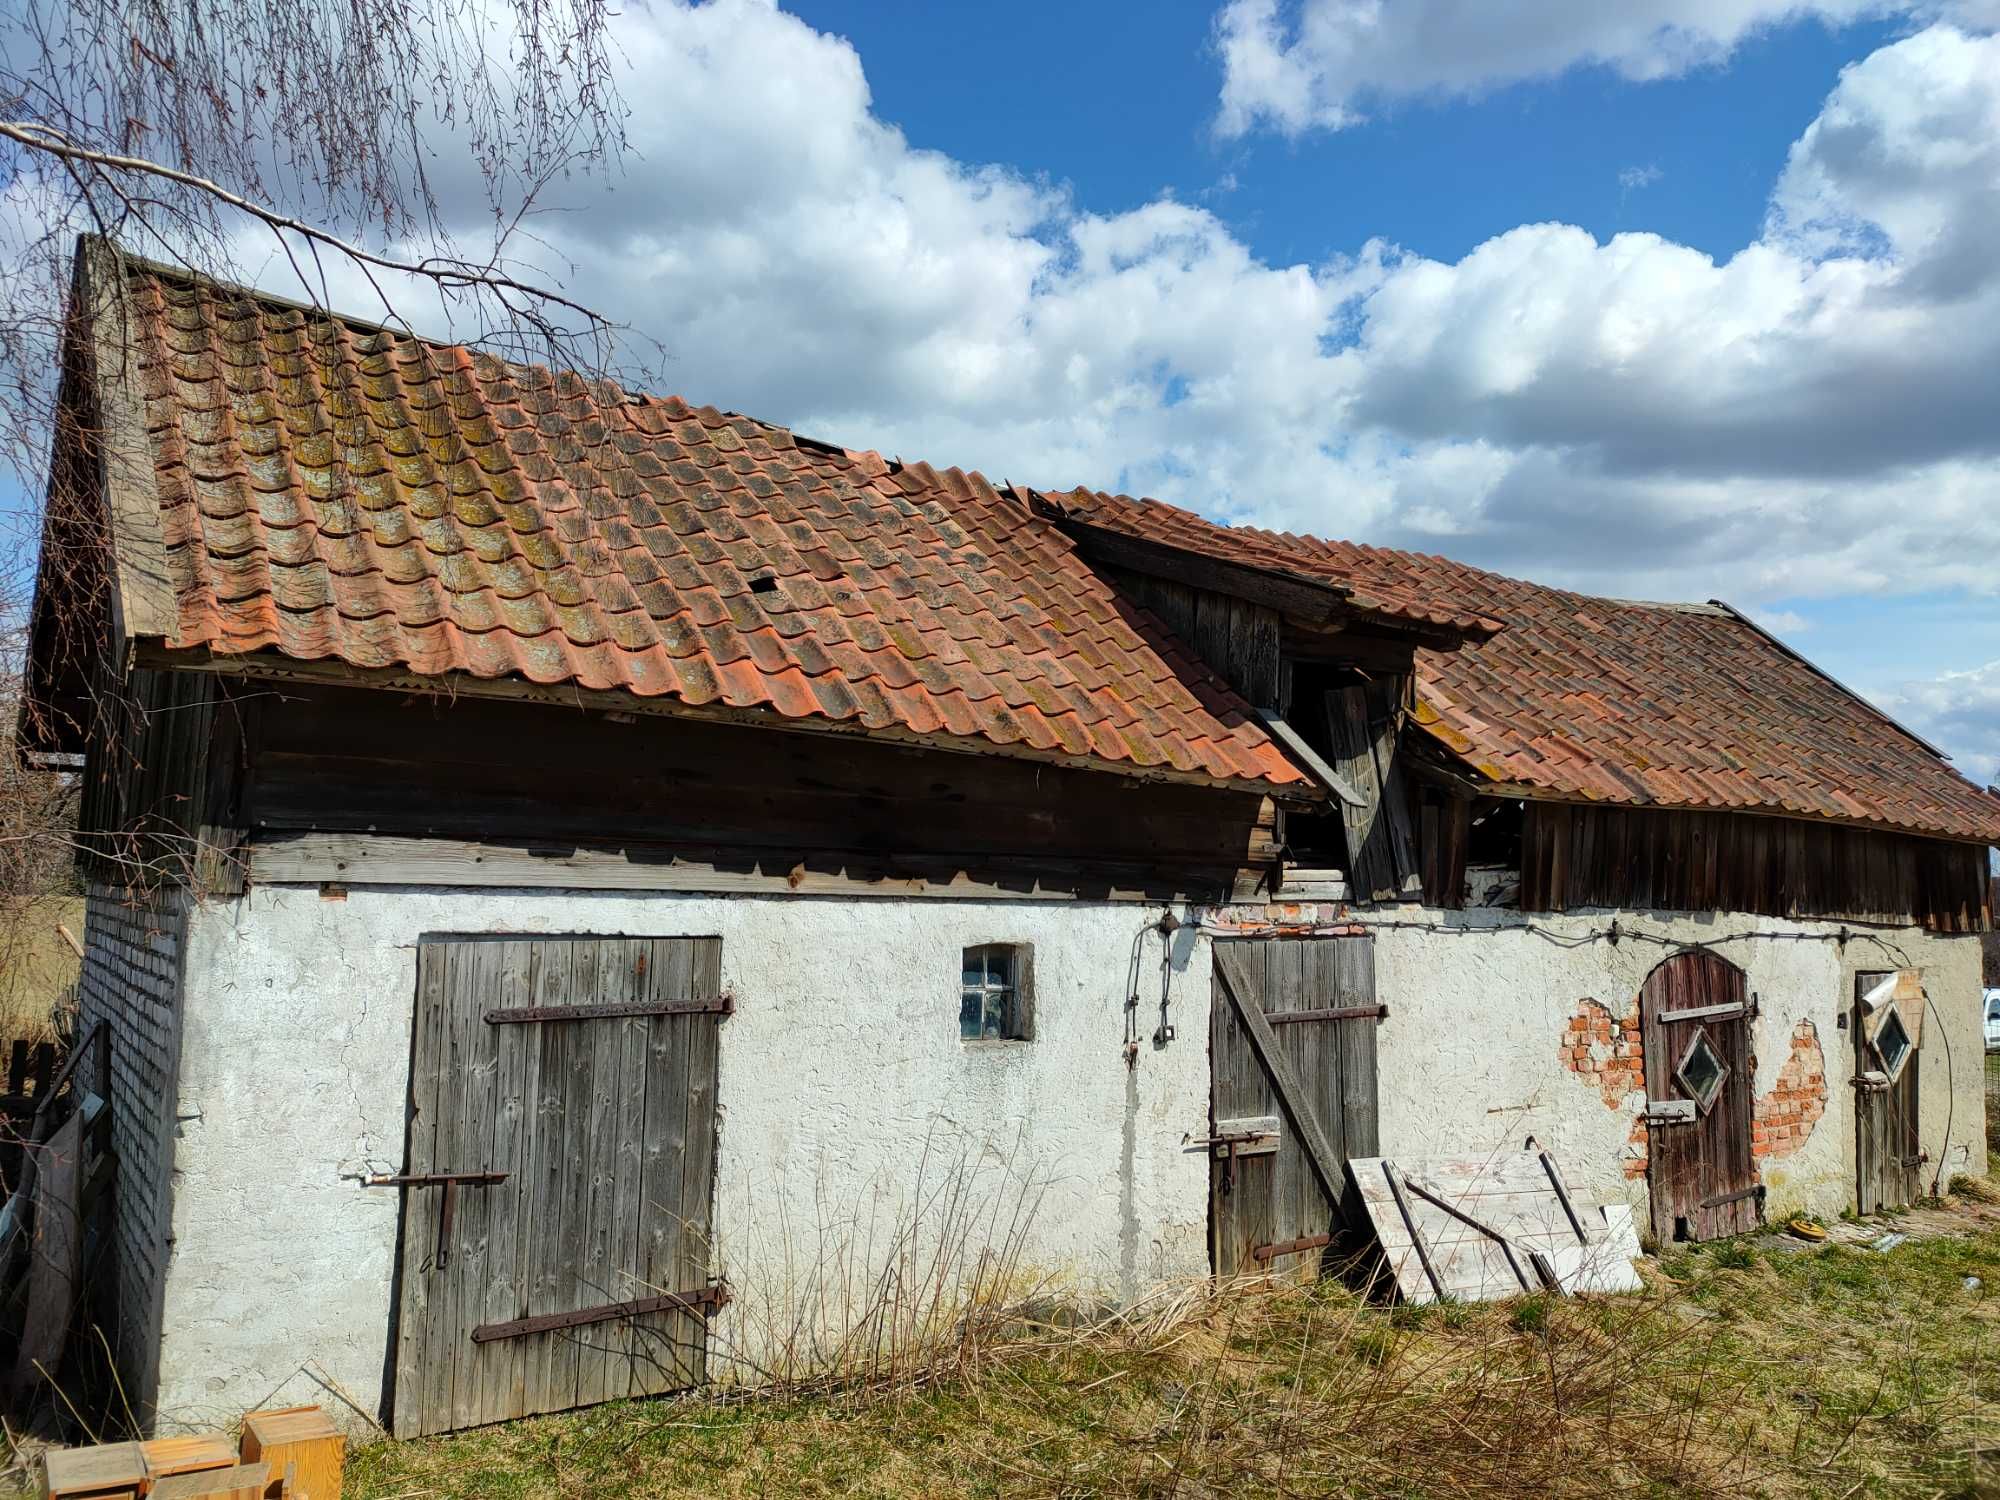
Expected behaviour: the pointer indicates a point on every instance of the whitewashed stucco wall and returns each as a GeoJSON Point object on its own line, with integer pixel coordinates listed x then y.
{"type": "Point", "coordinates": [842, 1076]}
{"type": "Point", "coordinates": [1471, 1052]}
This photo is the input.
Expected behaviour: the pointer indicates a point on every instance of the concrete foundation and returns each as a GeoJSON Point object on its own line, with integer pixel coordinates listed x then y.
{"type": "Point", "coordinates": [850, 1104]}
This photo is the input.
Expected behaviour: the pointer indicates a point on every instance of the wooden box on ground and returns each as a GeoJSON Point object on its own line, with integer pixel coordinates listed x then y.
{"type": "Point", "coordinates": [301, 1437]}
{"type": "Point", "coordinates": [242, 1482]}
{"type": "Point", "coordinates": [106, 1470]}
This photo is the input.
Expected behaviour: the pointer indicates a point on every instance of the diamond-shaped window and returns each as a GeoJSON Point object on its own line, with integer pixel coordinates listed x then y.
{"type": "Point", "coordinates": [1892, 1044]}
{"type": "Point", "coordinates": [1702, 1072]}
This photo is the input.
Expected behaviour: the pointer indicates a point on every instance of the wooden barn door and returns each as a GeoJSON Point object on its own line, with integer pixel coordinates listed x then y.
{"type": "Point", "coordinates": [1694, 1018]}
{"type": "Point", "coordinates": [556, 1201]}
{"type": "Point", "coordinates": [1292, 1094]}
{"type": "Point", "coordinates": [1888, 1161]}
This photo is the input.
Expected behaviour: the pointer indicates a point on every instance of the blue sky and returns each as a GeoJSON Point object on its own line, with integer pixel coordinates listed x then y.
{"type": "Point", "coordinates": [1667, 299]}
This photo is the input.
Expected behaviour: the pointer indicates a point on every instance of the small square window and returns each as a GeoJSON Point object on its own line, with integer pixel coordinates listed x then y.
{"type": "Point", "coordinates": [1892, 1044]}
{"type": "Point", "coordinates": [1701, 1072]}
{"type": "Point", "coordinates": [993, 994]}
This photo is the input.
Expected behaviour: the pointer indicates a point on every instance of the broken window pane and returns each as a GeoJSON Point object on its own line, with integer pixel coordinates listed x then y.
{"type": "Point", "coordinates": [1701, 1071]}
{"type": "Point", "coordinates": [1892, 1044]}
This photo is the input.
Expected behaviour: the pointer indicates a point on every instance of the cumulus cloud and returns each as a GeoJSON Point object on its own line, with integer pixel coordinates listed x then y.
{"type": "Point", "coordinates": [1299, 65]}
{"type": "Point", "coordinates": [1810, 416]}
{"type": "Point", "coordinates": [1960, 711]}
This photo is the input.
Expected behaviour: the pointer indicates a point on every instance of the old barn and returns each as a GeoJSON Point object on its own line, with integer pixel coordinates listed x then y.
{"type": "Point", "coordinates": [575, 874]}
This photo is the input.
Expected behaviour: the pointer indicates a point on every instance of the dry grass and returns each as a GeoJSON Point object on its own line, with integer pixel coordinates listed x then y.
{"type": "Point", "coordinates": [36, 965]}
{"type": "Point", "coordinates": [1741, 1372]}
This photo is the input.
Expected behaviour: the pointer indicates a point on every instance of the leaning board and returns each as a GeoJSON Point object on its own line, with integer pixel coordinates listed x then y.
{"type": "Point", "coordinates": [1478, 1228]}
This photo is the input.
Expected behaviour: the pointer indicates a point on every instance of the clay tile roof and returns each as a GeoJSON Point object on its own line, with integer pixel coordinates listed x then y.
{"type": "Point", "coordinates": [1609, 700]}
{"type": "Point", "coordinates": [333, 492]}
{"type": "Point", "coordinates": [1672, 705]}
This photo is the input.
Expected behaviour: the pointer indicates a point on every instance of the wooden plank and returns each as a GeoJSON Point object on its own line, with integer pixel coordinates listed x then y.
{"type": "Point", "coordinates": [1303, 599]}
{"type": "Point", "coordinates": [698, 1166]}
{"type": "Point", "coordinates": [413, 1413]}
{"type": "Point", "coordinates": [624, 1266]}
{"type": "Point", "coordinates": [1310, 760]}
{"type": "Point", "coordinates": [91, 1471]}
{"type": "Point", "coordinates": [379, 859]}
{"type": "Point", "coordinates": [604, 1354]}
{"type": "Point", "coordinates": [143, 599]}
{"type": "Point", "coordinates": [55, 1255]}
{"type": "Point", "coordinates": [167, 1456]}
{"type": "Point", "coordinates": [1298, 1106]}
{"type": "Point", "coordinates": [1372, 871]}
{"type": "Point", "coordinates": [656, 1356]}
{"type": "Point", "coordinates": [1385, 720]}
{"type": "Point", "coordinates": [1335, 1013]}
{"type": "Point", "coordinates": [548, 1376]}
{"type": "Point", "coordinates": [503, 1292]}
{"type": "Point", "coordinates": [466, 1144]}
{"type": "Point", "coordinates": [243, 1482]}
{"type": "Point", "coordinates": [1354, 979]}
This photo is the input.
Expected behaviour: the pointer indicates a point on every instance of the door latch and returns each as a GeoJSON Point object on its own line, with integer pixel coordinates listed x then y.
{"type": "Point", "coordinates": [450, 1182]}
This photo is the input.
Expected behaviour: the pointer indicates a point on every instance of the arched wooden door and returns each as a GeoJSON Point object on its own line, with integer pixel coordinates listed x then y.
{"type": "Point", "coordinates": [1694, 1018]}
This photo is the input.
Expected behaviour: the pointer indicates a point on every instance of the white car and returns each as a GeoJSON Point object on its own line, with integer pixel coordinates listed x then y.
{"type": "Point", "coordinates": [1993, 1020]}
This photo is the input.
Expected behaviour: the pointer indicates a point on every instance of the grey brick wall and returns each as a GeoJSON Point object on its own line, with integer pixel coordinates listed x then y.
{"type": "Point", "coordinates": [131, 978]}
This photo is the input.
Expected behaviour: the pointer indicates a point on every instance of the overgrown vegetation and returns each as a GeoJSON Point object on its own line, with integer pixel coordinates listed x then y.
{"type": "Point", "coordinates": [1741, 1371]}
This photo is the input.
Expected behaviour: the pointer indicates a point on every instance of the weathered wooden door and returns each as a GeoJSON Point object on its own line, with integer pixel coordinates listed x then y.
{"type": "Point", "coordinates": [1888, 1160]}
{"type": "Point", "coordinates": [568, 1084]}
{"type": "Point", "coordinates": [1694, 1020]}
{"type": "Point", "coordinates": [1292, 1094]}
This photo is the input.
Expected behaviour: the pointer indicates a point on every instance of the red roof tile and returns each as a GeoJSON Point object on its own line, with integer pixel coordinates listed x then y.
{"type": "Point", "coordinates": [1609, 700]}
{"type": "Point", "coordinates": [333, 492]}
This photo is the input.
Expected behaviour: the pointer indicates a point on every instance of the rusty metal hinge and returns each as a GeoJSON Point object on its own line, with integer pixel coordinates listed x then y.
{"type": "Point", "coordinates": [715, 1005]}
{"type": "Point", "coordinates": [710, 1298]}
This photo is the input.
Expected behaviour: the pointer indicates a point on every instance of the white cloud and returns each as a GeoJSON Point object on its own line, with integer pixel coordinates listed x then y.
{"type": "Point", "coordinates": [1631, 179]}
{"type": "Point", "coordinates": [1811, 416]}
{"type": "Point", "coordinates": [1299, 65]}
{"type": "Point", "coordinates": [1960, 711]}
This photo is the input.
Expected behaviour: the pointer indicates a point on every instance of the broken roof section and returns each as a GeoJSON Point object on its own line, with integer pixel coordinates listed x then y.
{"type": "Point", "coordinates": [327, 492]}
{"type": "Point", "coordinates": [1578, 698]}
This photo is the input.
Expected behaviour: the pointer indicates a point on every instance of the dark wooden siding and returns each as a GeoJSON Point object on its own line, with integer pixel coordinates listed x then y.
{"type": "Point", "coordinates": [158, 803]}
{"type": "Point", "coordinates": [351, 760]}
{"type": "Point", "coordinates": [1645, 858]}
{"type": "Point", "coordinates": [1238, 639]}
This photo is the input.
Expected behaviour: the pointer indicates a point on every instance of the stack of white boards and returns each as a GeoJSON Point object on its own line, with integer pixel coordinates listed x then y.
{"type": "Point", "coordinates": [1474, 1229]}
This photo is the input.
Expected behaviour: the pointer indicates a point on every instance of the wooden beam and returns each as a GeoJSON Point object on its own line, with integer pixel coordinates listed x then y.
{"type": "Point", "coordinates": [1308, 758]}
{"type": "Point", "coordinates": [1290, 595]}
{"type": "Point", "coordinates": [142, 596]}
{"type": "Point", "coordinates": [356, 859]}
{"type": "Point", "coordinates": [1291, 1092]}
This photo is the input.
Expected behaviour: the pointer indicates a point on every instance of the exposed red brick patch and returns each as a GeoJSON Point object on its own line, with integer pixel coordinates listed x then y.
{"type": "Point", "coordinates": [1785, 1117]}
{"type": "Point", "coordinates": [1606, 1050]}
